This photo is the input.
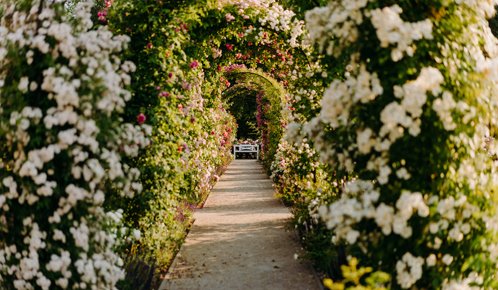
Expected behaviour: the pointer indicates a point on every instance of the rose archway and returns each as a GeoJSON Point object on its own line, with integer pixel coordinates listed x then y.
{"type": "Point", "coordinates": [186, 59]}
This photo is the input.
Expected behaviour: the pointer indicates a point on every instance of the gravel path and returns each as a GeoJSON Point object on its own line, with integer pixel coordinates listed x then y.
{"type": "Point", "coordinates": [241, 239]}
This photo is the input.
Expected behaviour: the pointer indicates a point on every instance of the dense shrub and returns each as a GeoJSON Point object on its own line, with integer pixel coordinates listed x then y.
{"type": "Point", "coordinates": [62, 140]}
{"type": "Point", "coordinates": [408, 123]}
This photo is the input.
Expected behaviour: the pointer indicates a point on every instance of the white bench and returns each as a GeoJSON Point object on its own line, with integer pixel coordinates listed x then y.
{"type": "Point", "coordinates": [245, 148]}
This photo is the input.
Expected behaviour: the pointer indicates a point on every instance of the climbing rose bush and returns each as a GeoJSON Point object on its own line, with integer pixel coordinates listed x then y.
{"type": "Point", "coordinates": [297, 174]}
{"type": "Point", "coordinates": [407, 122]}
{"type": "Point", "coordinates": [62, 90]}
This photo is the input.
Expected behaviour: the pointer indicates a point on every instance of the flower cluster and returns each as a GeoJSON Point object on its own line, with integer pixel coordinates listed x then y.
{"type": "Point", "coordinates": [409, 270]}
{"type": "Point", "coordinates": [334, 27]}
{"type": "Point", "coordinates": [102, 14]}
{"type": "Point", "coordinates": [398, 116]}
{"type": "Point", "coordinates": [360, 201]}
{"type": "Point", "coordinates": [391, 29]}
{"type": "Point", "coordinates": [280, 19]}
{"type": "Point", "coordinates": [337, 102]}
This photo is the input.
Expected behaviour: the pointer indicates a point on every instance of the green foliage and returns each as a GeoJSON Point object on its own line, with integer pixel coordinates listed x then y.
{"type": "Point", "coordinates": [241, 101]}
{"type": "Point", "coordinates": [493, 24]}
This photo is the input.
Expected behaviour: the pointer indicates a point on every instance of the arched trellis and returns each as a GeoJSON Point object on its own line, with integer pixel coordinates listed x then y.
{"type": "Point", "coordinates": [269, 97]}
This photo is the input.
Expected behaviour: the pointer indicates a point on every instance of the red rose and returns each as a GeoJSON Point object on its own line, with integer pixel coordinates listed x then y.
{"type": "Point", "coordinates": [141, 119]}
{"type": "Point", "coordinates": [194, 64]}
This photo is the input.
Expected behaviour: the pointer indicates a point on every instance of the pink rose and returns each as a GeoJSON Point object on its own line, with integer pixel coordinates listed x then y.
{"type": "Point", "coordinates": [141, 118]}
{"type": "Point", "coordinates": [194, 64]}
{"type": "Point", "coordinates": [229, 17]}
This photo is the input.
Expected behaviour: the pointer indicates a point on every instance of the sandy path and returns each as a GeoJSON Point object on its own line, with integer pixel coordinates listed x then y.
{"type": "Point", "coordinates": [241, 240]}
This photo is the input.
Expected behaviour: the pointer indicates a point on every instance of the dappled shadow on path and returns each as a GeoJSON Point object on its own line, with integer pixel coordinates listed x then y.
{"type": "Point", "coordinates": [241, 239]}
{"type": "Point", "coordinates": [254, 254]}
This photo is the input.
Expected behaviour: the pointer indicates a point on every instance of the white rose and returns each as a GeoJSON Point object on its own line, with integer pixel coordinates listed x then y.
{"type": "Point", "coordinates": [352, 236]}
{"type": "Point", "coordinates": [447, 259]}
{"type": "Point", "coordinates": [431, 260]}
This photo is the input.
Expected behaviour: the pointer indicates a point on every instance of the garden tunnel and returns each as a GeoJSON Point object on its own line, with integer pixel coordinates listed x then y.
{"type": "Point", "coordinates": [356, 146]}
{"type": "Point", "coordinates": [267, 99]}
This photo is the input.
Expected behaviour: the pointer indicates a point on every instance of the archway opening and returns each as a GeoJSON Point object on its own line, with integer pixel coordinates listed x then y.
{"type": "Point", "coordinates": [242, 104]}
{"type": "Point", "coordinates": [268, 95]}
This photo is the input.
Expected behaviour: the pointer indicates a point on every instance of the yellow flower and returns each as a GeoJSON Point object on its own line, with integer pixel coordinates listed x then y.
{"type": "Point", "coordinates": [331, 285]}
